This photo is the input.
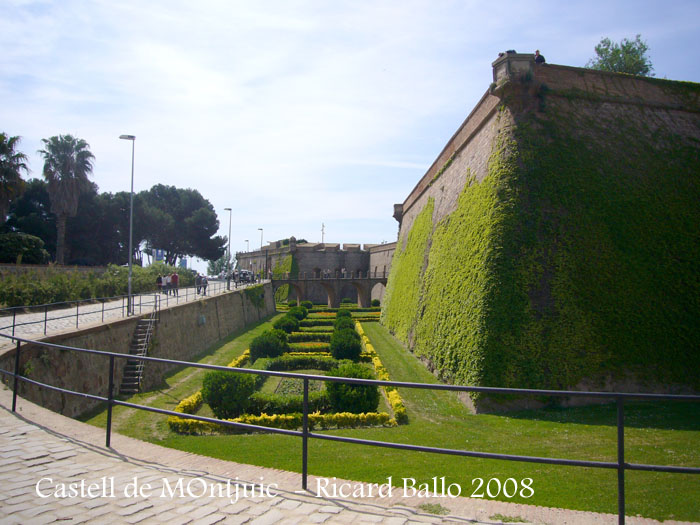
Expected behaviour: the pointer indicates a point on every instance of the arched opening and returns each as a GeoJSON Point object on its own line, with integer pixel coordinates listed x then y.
{"type": "Point", "coordinates": [330, 291]}
{"type": "Point", "coordinates": [377, 292]}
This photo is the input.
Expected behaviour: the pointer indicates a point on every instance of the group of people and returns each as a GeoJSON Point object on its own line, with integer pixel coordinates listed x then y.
{"type": "Point", "coordinates": [201, 283]}
{"type": "Point", "coordinates": [168, 284]}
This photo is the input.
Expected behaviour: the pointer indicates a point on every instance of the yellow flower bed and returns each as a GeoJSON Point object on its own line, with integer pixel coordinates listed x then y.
{"type": "Point", "coordinates": [192, 403]}
{"type": "Point", "coordinates": [308, 354]}
{"type": "Point", "coordinates": [287, 421]}
{"type": "Point", "coordinates": [391, 392]}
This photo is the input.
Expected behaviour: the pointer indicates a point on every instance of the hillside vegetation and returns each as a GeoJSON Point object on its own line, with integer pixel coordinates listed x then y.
{"type": "Point", "coordinates": [575, 260]}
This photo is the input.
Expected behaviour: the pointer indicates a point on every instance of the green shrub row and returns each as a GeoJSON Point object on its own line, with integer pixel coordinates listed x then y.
{"type": "Point", "coordinates": [34, 288]}
{"type": "Point", "coordinates": [261, 403]}
{"type": "Point", "coordinates": [288, 363]}
{"type": "Point", "coordinates": [316, 322]}
{"type": "Point", "coordinates": [310, 346]}
{"type": "Point", "coordinates": [300, 337]}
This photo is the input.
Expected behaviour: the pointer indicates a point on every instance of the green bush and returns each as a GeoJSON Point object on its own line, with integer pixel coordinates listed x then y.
{"type": "Point", "coordinates": [346, 300]}
{"type": "Point", "coordinates": [288, 324]}
{"type": "Point", "coordinates": [302, 337]}
{"type": "Point", "coordinates": [345, 344]}
{"type": "Point", "coordinates": [21, 248]}
{"type": "Point", "coordinates": [299, 312]}
{"type": "Point", "coordinates": [375, 302]}
{"type": "Point", "coordinates": [271, 343]}
{"type": "Point", "coordinates": [291, 303]}
{"type": "Point", "coordinates": [316, 322]}
{"type": "Point", "coordinates": [307, 304]}
{"type": "Point", "coordinates": [343, 313]}
{"type": "Point", "coordinates": [346, 397]}
{"type": "Point", "coordinates": [261, 403]}
{"type": "Point", "coordinates": [344, 323]}
{"type": "Point", "coordinates": [227, 393]}
{"type": "Point", "coordinates": [297, 362]}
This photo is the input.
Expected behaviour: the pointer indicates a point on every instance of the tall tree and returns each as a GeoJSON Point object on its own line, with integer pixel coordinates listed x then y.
{"type": "Point", "coordinates": [629, 56]}
{"type": "Point", "coordinates": [12, 164]}
{"type": "Point", "coordinates": [31, 213]}
{"type": "Point", "coordinates": [182, 223]}
{"type": "Point", "coordinates": [67, 166]}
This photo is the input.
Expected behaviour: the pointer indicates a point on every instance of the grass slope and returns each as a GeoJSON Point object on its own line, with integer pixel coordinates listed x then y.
{"type": "Point", "coordinates": [439, 419]}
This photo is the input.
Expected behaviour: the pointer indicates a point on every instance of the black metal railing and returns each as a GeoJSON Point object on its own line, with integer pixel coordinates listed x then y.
{"type": "Point", "coordinates": [72, 309]}
{"type": "Point", "coordinates": [620, 465]}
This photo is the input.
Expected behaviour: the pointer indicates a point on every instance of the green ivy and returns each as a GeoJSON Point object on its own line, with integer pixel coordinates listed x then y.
{"type": "Point", "coordinates": [287, 265]}
{"type": "Point", "coordinates": [256, 295]}
{"type": "Point", "coordinates": [576, 258]}
{"type": "Point", "coordinates": [404, 284]}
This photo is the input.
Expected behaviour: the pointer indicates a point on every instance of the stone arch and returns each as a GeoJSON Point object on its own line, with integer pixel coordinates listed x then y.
{"type": "Point", "coordinates": [333, 299]}
{"type": "Point", "coordinates": [377, 292]}
{"type": "Point", "coordinates": [316, 273]}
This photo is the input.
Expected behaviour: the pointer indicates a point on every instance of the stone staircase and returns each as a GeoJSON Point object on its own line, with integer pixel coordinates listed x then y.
{"type": "Point", "coordinates": [133, 370]}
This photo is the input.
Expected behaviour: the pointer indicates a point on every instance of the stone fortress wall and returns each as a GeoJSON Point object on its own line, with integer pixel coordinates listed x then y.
{"type": "Point", "coordinates": [319, 259]}
{"type": "Point", "coordinates": [468, 150]}
{"type": "Point", "coordinates": [550, 244]}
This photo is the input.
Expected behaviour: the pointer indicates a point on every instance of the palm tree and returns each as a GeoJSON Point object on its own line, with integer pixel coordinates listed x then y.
{"type": "Point", "coordinates": [67, 165]}
{"type": "Point", "coordinates": [11, 165]}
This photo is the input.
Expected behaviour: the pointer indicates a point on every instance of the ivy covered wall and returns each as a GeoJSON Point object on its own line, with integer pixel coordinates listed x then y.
{"type": "Point", "coordinates": [288, 265]}
{"type": "Point", "coordinates": [575, 261]}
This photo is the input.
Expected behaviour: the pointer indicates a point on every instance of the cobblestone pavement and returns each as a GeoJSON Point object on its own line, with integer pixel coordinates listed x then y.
{"type": "Point", "coordinates": [54, 469]}
{"type": "Point", "coordinates": [48, 476]}
{"type": "Point", "coordinates": [30, 324]}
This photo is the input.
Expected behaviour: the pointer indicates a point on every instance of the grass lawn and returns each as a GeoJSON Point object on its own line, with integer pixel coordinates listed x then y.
{"type": "Point", "coordinates": [662, 433]}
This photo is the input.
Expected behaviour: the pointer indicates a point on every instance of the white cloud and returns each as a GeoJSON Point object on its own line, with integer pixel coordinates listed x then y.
{"type": "Point", "coordinates": [271, 107]}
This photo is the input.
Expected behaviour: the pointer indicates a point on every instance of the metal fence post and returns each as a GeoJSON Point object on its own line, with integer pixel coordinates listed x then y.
{"type": "Point", "coordinates": [110, 399]}
{"type": "Point", "coordinates": [620, 461]}
{"type": "Point", "coordinates": [305, 436]}
{"type": "Point", "coordinates": [14, 392]}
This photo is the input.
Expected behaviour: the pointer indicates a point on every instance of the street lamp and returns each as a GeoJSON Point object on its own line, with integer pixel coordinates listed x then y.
{"type": "Point", "coordinates": [132, 138]}
{"type": "Point", "coordinates": [247, 246]}
{"type": "Point", "coordinates": [261, 237]}
{"type": "Point", "coordinates": [228, 252]}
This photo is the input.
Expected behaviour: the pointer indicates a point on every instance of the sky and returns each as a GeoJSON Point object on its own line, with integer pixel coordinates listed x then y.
{"type": "Point", "coordinates": [294, 114]}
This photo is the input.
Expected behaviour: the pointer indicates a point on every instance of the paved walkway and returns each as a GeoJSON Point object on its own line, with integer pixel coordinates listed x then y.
{"type": "Point", "coordinates": [30, 324]}
{"type": "Point", "coordinates": [54, 469]}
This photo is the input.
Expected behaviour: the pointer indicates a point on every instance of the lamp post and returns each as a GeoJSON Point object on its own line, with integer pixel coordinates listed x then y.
{"type": "Point", "coordinates": [228, 252]}
{"type": "Point", "coordinates": [261, 239]}
{"type": "Point", "coordinates": [247, 246]}
{"type": "Point", "coordinates": [132, 138]}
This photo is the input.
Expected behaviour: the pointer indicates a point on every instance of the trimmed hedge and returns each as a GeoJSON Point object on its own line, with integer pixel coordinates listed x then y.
{"type": "Point", "coordinates": [299, 312]}
{"type": "Point", "coordinates": [261, 403]}
{"type": "Point", "coordinates": [271, 343]}
{"type": "Point", "coordinates": [345, 344]}
{"type": "Point", "coordinates": [300, 337]}
{"type": "Point", "coordinates": [347, 397]}
{"type": "Point", "coordinates": [287, 323]}
{"type": "Point", "coordinates": [227, 393]}
{"type": "Point", "coordinates": [316, 322]}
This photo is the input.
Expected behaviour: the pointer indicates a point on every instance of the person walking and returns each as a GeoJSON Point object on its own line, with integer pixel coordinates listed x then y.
{"type": "Point", "coordinates": [167, 284]}
{"type": "Point", "coordinates": [198, 282]}
{"type": "Point", "coordinates": [204, 283]}
{"type": "Point", "coordinates": [159, 283]}
{"type": "Point", "coordinates": [174, 282]}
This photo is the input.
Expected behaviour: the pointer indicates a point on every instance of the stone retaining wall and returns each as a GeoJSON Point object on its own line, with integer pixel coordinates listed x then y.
{"type": "Point", "coordinates": [184, 331]}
